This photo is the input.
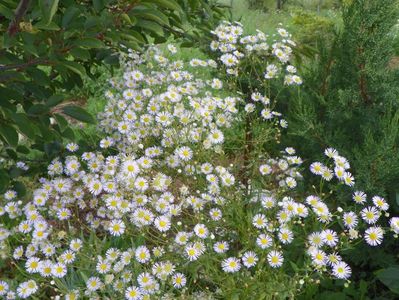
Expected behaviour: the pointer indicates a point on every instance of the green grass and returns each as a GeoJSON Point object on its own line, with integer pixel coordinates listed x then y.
{"type": "Point", "coordinates": [269, 18]}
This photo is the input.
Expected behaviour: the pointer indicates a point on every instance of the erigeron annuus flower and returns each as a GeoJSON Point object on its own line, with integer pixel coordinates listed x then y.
{"type": "Point", "coordinates": [264, 241]}
{"type": "Point", "coordinates": [93, 284]}
{"type": "Point", "coordinates": [317, 168]}
{"type": "Point", "coordinates": [162, 223]}
{"type": "Point", "coordinates": [380, 203]}
{"type": "Point", "coordinates": [130, 168]}
{"type": "Point", "coordinates": [201, 231]}
{"type": "Point", "coordinates": [259, 221]}
{"type": "Point", "coordinates": [116, 227]}
{"type": "Point", "coordinates": [350, 219]}
{"type": "Point", "coordinates": [330, 237]}
{"type": "Point", "coordinates": [221, 247]}
{"type": "Point", "coordinates": [249, 259]}
{"type": "Point", "coordinates": [192, 252]}
{"type": "Point", "coordinates": [285, 236]}
{"type": "Point", "coordinates": [275, 259]}
{"type": "Point", "coordinates": [59, 270]}
{"type": "Point", "coordinates": [341, 270]}
{"type": "Point", "coordinates": [374, 235]}
{"type": "Point", "coordinates": [370, 214]}
{"type": "Point", "coordinates": [133, 293]}
{"type": "Point", "coordinates": [142, 254]}
{"type": "Point", "coordinates": [231, 265]}
{"type": "Point", "coordinates": [3, 287]}
{"type": "Point", "coordinates": [394, 224]}
{"type": "Point", "coordinates": [265, 169]}
{"type": "Point", "coordinates": [184, 153]}
{"type": "Point", "coordinates": [179, 280]}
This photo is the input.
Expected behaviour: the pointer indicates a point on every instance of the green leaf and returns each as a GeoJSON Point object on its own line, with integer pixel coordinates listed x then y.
{"type": "Point", "coordinates": [25, 126]}
{"type": "Point", "coordinates": [48, 8]}
{"type": "Point", "coordinates": [127, 19]}
{"type": "Point", "coordinates": [39, 77]}
{"type": "Point", "coordinates": [61, 121]}
{"type": "Point", "coordinates": [390, 277]}
{"type": "Point", "coordinates": [10, 94]}
{"type": "Point", "coordinates": [98, 5]}
{"type": "Point", "coordinates": [12, 154]}
{"type": "Point", "coordinates": [37, 109]}
{"type": "Point", "coordinates": [68, 133]}
{"type": "Point", "coordinates": [151, 26]}
{"type": "Point", "coordinates": [4, 180]}
{"type": "Point", "coordinates": [52, 149]}
{"type": "Point", "coordinates": [9, 134]}
{"type": "Point", "coordinates": [78, 113]}
{"type": "Point", "coordinates": [20, 188]}
{"type": "Point", "coordinates": [74, 67]}
{"type": "Point", "coordinates": [47, 26]}
{"type": "Point", "coordinates": [15, 172]}
{"type": "Point", "coordinates": [153, 15]}
{"type": "Point", "coordinates": [6, 12]}
{"type": "Point", "coordinates": [55, 100]}
{"type": "Point", "coordinates": [22, 149]}
{"type": "Point", "coordinates": [69, 15]}
{"type": "Point", "coordinates": [171, 4]}
{"type": "Point", "coordinates": [80, 53]}
{"type": "Point", "coordinates": [88, 43]}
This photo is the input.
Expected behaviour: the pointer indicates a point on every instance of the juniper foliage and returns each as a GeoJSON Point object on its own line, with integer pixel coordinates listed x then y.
{"type": "Point", "coordinates": [351, 95]}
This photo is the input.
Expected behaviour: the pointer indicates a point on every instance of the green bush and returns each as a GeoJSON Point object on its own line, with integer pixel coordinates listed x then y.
{"type": "Point", "coordinates": [350, 101]}
{"type": "Point", "coordinates": [48, 48]}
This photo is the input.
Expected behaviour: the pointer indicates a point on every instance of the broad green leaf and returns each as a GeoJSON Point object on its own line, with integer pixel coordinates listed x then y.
{"type": "Point", "coordinates": [88, 43]}
{"type": "Point", "coordinates": [68, 133]}
{"type": "Point", "coordinates": [61, 121]}
{"type": "Point", "coordinates": [127, 19]}
{"type": "Point", "coordinates": [153, 15]}
{"type": "Point", "coordinates": [15, 172]}
{"type": "Point", "coordinates": [39, 77]}
{"type": "Point", "coordinates": [55, 100]}
{"type": "Point", "coordinates": [48, 8]}
{"type": "Point", "coordinates": [37, 109]}
{"type": "Point", "coordinates": [25, 126]}
{"type": "Point", "coordinates": [20, 188]}
{"type": "Point", "coordinates": [98, 5]}
{"type": "Point", "coordinates": [69, 15]}
{"type": "Point", "coordinates": [47, 26]}
{"type": "Point", "coordinates": [171, 4]}
{"type": "Point", "coordinates": [6, 12]}
{"type": "Point", "coordinates": [12, 154]}
{"type": "Point", "coordinates": [390, 277]}
{"type": "Point", "coordinates": [52, 149]}
{"type": "Point", "coordinates": [4, 180]}
{"type": "Point", "coordinates": [74, 67]}
{"type": "Point", "coordinates": [151, 26]}
{"type": "Point", "coordinates": [78, 113]}
{"type": "Point", "coordinates": [22, 149]}
{"type": "Point", "coordinates": [80, 53]}
{"type": "Point", "coordinates": [10, 94]}
{"type": "Point", "coordinates": [9, 134]}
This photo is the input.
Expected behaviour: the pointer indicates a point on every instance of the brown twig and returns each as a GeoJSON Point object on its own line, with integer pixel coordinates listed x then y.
{"type": "Point", "coordinates": [13, 28]}
{"type": "Point", "coordinates": [38, 61]}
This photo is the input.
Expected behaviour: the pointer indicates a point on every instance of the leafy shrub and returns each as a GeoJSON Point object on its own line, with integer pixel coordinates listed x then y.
{"type": "Point", "coordinates": [49, 47]}
{"type": "Point", "coordinates": [350, 101]}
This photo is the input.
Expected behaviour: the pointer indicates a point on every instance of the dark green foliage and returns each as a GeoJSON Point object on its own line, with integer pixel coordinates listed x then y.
{"type": "Point", "coordinates": [349, 101]}
{"type": "Point", "coordinates": [350, 97]}
{"type": "Point", "coordinates": [49, 47]}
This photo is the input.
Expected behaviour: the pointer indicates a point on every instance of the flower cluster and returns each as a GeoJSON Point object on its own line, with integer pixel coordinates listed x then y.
{"type": "Point", "coordinates": [256, 54]}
